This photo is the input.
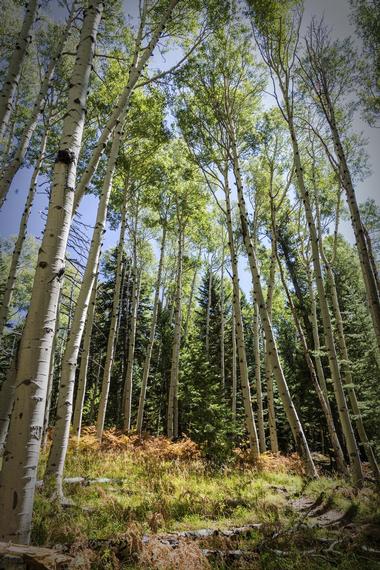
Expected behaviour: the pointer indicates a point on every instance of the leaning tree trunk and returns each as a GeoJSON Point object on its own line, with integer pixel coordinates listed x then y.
{"type": "Point", "coordinates": [83, 369]}
{"type": "Point", "coordinates": [326, 320]}
{"type": "Point", "coordinates": [148, 356]}
{"type": "Point", "coordinates": [131, 350]}
{"type": "Point", "coordinates": [12, 77]}
{"type": "Point", "coordinates": [291, 413]}
{"type": "Point", "coordinates": [11, 280]}
{"type": "Point", "coordinates": [240, 340]}
{"type": "Point", "coordinates": [58, 450]}
{"type": "Point", "coordinates": [369, 272]}
{"type": "Point", "coordinates": [17, 160]}
{"type": "Point", "coordinates": [112, 333]}
{"type": "Point", "coordinates": [259, 395]}
{"type": "Point", "coordinates": [174, 371]}
{"type": "Point", "coordinates": [18, 475]}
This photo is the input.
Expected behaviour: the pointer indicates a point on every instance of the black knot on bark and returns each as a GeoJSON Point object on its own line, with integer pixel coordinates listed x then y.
{"type": "Point", "coordinates": [66, 156]}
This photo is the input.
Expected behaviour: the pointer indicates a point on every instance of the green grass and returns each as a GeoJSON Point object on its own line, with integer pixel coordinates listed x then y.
{"type": "Point", "coordinates": [184, 495]}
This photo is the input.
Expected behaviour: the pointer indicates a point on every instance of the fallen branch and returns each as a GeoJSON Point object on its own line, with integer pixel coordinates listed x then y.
{"type": "Point", "coordinates": [34, 557]}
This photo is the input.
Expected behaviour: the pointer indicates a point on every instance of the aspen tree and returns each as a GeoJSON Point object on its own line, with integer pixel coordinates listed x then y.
{"type": "Point", "coordinates": [112, 332]}
{"type": "Point", "coordinates": [259, 395]}
{"type": "Point", "coordinates": [148, 355]}
{"type": "Point", "coordinates": [11, 279]}
{"type": "Point", "coordinates": [18, 474]}
{"type": "Point", "coordinates": [83, 369]}
{"type": "Point", "coordinates": [131, 349]}
{"type": "Point", "coordinates": [234, 367]}
{"type": "Point", "coordinates": [222, 324]}
{"type": "Point", "coordinates": [327, 72]}
{"type": "Point", "coordinates": [58, 450]}
{"type": "Point", "coordinates": [18, 56]}
{"type": "Point", "coordinates": [14, 163]}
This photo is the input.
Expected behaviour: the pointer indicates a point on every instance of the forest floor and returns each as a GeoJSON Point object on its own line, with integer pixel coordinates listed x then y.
{"type": "Point", "coordinates": [150, 503]}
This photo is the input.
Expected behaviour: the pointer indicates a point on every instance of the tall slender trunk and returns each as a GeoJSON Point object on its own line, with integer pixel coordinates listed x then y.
{"type": "Point", "coordinates": [208, 311]}
{"type": "Point", "coordinates": [190, 302]}
{"type": "Point", "coordinates": [17, 160]}
{"type": "Point", "coordinates": [50, 383]}
{"type": "Point", "coordinates": [326, 320]}
{"type": "Point", "coordinates": [174, 371]}
{"type": "Point", "coordinates": [11, 280]}
{"type": "Point", "coordinates": [19, 53]}
{"type": "Point", "coordinates": [259, 395]}
{"type": "Point", "coordinates": [222, 323]}
{"type": "Point", "coordinates": [58, 450]}
{"type": "Point", "coordinates": [140, 58]}
{"type": "Point", "coordinates": [291, 413]}
{"type": "Point", "coordinates": [83, 369]}
{"type": "Point", "coordinates": [345, 366]}
{"type": "Point", "coordinates": [240, 340]}
{"type": "Point", "coordinates": [148, 356]}
{"type": "Point", "coordinates": [369, 272]}
{"type": "Point", "coordinates": [131, 350]}
{"type": "Point", "coordinates": [113, 325]}
{"type": "Point", "coordinates": [18, 475]}
{"type": "Point", "coordinates": [234, 366]}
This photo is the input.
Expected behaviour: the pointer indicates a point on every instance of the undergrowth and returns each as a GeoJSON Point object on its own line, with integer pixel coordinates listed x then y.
{"type": "Point", "coordinates": [159, 486]}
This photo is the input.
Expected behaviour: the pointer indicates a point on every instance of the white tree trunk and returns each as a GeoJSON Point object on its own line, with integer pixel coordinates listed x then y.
{"type": "Point", "coordinates": [58, 450]}
{"type": "Point", "coordinates": [234, 366]}
{"type": "Point", "coordinates": [112, 333]}
{"type": "Point", "coordinates": [174, 371]}
{"type": "Point", "coordinates": [148, 356]}
{"type": "Point", "coordinates": [291, 413]}
{"type": "Point", "coordinates": [12, 166]}
{"type": "Point", "coordinates": [259, 395]}
{"type": "Point", "coordinates": [11, 280]}
{"type": "Point", "coordinates": [12, 77]}
{"type": "Point", "coordinates": [208, 311]}
{"type": "Point", "coordinates": [18, 475]}
{"type": "Point", "coordinates": [131, 349]}
{"type": "Point", "coordinates": [83, 369]}
{"type": "Point", "coordinates": [222, 323]}
{"type": "Point", "coordinates": [240, 339]}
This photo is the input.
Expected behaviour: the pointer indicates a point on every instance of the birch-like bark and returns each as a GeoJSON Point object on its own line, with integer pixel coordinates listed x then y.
{"type": "Point", "coordinates": [11, 279]}
{"type": "Point", "coordinates": [140, 58]}
{"type": "Point", "coordinates": [326, 319]}
{"type": "Point", "coordinates": [291, 413]}
{"type": "Point", "coordinates": [112, 333]}
{"type": "Point", "coordinates": [208, 311]}
{"type": "Point", "coordinates": [240, 340]}
{"type": "Point", "coordinates": [174, 371]}
{"type": "Point", "coordinates": [259, 395]}
{"type": "Point", "coordinates": [222, 323]}
{"type": "Point", "coordinates": [19, 53]}
{"type": "Point", "coordinates": [18, 475]}
{"type": "Point", "coordinates": [345, 366]}
{"type": "Point", "coordinates": [148, 356]}
{"type": "Point", "coordinates": [58, 450]}
{"type": "Point", "coordinates": [234, 366]}
{"type": "Point", "coordinates": [131, 349]}
{"type": "Point", "coordinates": [7, 396]}
{"type": "Point", "coordinates": [83, 369]}
{"type": "Point", "coordinates": [190, 302]}
{"type": "Point", "coordinates": [17, 160]}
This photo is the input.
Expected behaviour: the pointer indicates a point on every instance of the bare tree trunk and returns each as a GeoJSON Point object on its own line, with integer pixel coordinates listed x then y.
{"type": "Point", "coordinates": [11, 280]}
{"type": "Point", "coordinates": [131, 350]}
{"type": "Point", "coordinates": [259, 395]}
{"type": "Point", "coordinates": [19, 53]}
{"type": "Point", "coordinates": [113, 326]}
{"type": "Point", "coordinates": [148, 356]}
{"type": "Point", "coordinates": [240, 340]}
{"type": "Point", "coordinates": [18, 475]}
{"type": "Point", "coordinates": [174, 371]}
{"type": "Point", "coordinates": [234, 367]}
{"type": "Point", "coordinates": [208, 310]}
{"type": "Point", "coordinates": [222, 324]}
{"type": "Point", "coordinates": [190, 302]}
{"type": "Point", "coordinates": [58, 450]}
{"type": "Point", "coordinates": [13, 165]}
{"type": "Point", "coordinates": [83, 369]}
{"type": "Point", "coordinates": [291, 413]}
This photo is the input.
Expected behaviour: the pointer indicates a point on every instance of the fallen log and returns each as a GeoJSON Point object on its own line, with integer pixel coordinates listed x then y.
{"type": "Point", "coordinates": [25, 557]}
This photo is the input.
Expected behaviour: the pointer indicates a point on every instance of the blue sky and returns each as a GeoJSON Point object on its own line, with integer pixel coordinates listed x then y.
{"type": "Point", "coordinates": [336, 14]}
